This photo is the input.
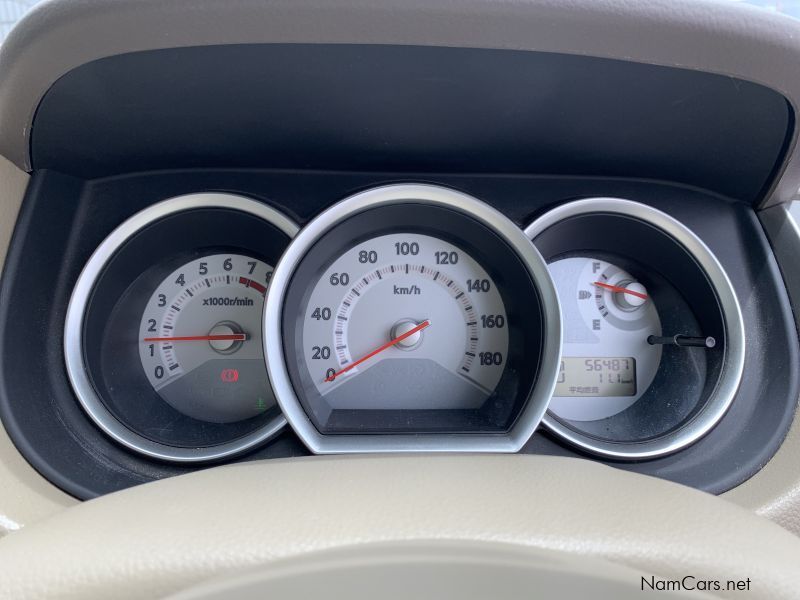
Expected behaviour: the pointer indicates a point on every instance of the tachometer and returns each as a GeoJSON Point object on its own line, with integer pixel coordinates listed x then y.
{"type": "Point", "coordinates": [200, 338]}
{"type": "Point", "coordinates": [412, 317]}
{"type": "Point", "coordinates": [163, 340]}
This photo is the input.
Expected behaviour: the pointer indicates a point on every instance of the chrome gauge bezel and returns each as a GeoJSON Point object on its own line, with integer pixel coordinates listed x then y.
{"type": "Point", "coordinates": [717, 403]}
{"type": "Point", "coordinates": [74, 355]}
{"type": "Point", "coordinates": [536, 405]}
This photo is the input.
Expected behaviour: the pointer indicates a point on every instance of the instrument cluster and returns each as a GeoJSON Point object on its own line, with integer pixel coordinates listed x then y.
{"type": "Point", "coordinates": [403, 318]}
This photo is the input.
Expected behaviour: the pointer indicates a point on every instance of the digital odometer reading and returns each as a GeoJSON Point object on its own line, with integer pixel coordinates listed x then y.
{"type": "Point", "coordinates": [596, 376]}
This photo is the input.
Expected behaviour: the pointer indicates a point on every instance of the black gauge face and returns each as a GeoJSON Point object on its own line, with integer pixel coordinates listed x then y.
{"type": "Point", "coordinates": [411, 317]}
{"type": "Point", "coordinates": [163, 340]}
{"type": "Point", "coordinates": [652, 346]}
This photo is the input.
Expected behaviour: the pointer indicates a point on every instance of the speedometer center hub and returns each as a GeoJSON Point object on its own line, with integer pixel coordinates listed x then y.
{"type": "Point", "coordinates": [400, 330]}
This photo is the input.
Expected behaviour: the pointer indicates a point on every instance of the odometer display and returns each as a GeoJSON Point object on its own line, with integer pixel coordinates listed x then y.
{"type": "Point", "coordinates": [596, 377]}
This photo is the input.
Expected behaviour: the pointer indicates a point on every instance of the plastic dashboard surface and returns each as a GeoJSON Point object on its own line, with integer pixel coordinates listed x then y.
{"type": "Point", "coordinates": [67, 218]}
{"type": "Point", "coordinates": [522, 131]}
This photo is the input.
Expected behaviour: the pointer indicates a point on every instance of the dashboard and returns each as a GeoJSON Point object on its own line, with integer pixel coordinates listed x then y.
{"type": "Point", "coordinates": [395, 248]}
{"type": "Point", "coordinates": [292, 291]}
{"type": "Point", "coordinates": [595, 318]}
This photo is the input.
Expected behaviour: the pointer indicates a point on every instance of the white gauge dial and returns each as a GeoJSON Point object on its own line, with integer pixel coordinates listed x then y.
{"type": "Point", "coordinates": [405, 321]}
{"type": "Point", "coordinates": [200, 339]}
{"type": "Point", "coordinates": [607, 362]}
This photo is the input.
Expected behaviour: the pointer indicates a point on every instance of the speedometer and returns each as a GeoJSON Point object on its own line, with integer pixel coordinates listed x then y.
{"type": "Point", "coordinates": [409, 312]}
{"type": "Point", "coordinates": [412, 317]}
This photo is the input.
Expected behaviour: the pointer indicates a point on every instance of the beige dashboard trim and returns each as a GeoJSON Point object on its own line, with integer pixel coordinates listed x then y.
{"type": "Point", "coordinates": [13, 183]}
{"type": "Point", "coordinates": [699, 34]}
{"type": "Point", "coordinates": [433, 569]}
{"type": "Point", "coordinates": [25, 496]}
{"type": "Point", "coordinates": [774, 492]}
{"type": "Point", "coordinates": [164, 537]}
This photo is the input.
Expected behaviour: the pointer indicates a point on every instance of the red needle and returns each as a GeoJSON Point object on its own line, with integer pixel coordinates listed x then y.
{"type": "Point", "coordinates": [387, 345]}
{"type": "Point", "coordinates": [233, 337]}
{"type": "Point", "coordinates": [621, 290]}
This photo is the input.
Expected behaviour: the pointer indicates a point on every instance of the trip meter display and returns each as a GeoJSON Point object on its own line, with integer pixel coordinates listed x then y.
{"type": "Point", "coordinates": [596, 377]}
{"type": "Point", "coordinates": [412, 317]}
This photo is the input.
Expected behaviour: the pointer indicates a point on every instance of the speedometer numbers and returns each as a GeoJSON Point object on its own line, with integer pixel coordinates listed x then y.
{"type": "Point", "coordinates": [386, 287]}
{"type": "Point", "coordinates": [410, 318]}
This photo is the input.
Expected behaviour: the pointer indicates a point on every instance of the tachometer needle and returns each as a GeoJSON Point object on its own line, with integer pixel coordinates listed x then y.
{"type": "Point", "coordinates": [386, 346]}
{"type": "Point", "coordinates": [233, 337]}
{"type": "Point", "coordinates": [620, 290]}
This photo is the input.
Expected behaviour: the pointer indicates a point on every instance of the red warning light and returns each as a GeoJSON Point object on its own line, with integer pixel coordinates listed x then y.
{"type": "Point", "coordinates": [229, 375]}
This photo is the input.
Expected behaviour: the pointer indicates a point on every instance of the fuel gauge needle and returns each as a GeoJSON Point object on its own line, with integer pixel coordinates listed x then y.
{"type": "Point", "coordinates": [620, 290]}
{"type": "Point", "coordinates": [386, 346]}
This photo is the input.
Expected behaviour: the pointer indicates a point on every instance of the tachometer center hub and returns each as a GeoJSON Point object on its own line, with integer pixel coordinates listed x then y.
{"type": "Point", "coordinates": [225, 346]}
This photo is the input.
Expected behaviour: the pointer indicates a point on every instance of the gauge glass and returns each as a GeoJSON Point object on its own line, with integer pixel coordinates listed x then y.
{"type": "Point", "coordinates": [200, 338]}
{"type": "Point", "coordinates": [607, 363]}
{"type": "Point", "coordinates": [412, 318]}
{"type": "Point", "coordinates": [653, 334]}
{"type": "Point", "coordinates": [163, 337]}
{"type": "Point", "coordinates": [405, 321]}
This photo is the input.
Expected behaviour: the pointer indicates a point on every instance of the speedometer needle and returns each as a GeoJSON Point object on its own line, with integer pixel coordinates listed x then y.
{"type": "Point", "coordinates": [620, 290]}
{"type": "Point", "coordinates": [233, 337]}
{"type": "Point", "coordinates": [386, 346]}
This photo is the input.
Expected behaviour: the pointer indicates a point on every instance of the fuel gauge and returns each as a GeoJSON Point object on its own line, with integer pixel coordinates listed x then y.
{"type": "Point", "coordinates": [606, 358]}
{"type": "Point", "coordinates": [653, 340]}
